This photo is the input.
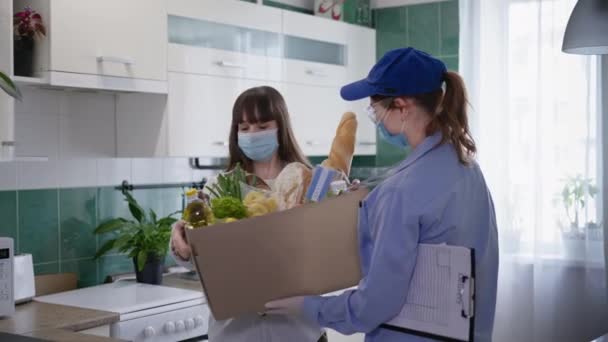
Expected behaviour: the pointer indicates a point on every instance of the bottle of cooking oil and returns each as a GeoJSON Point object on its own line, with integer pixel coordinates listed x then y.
{"type": "Point", "coordinates": [196, 213]}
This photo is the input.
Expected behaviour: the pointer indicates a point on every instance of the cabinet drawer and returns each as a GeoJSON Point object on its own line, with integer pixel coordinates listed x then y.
{"type": "Point", "coordinates": [109, 37]}
{"type": "Point", "coordinates": [208, 61]}
{"type": "Point", "coordinates": [310, 73]}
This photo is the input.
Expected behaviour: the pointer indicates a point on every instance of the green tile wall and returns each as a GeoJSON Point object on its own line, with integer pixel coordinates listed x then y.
{"type": "Point", "coordinates": [38, 226]}
{"type": "Point", "coordinates": [56, 227]}
{"type": "Point", "coordinates": [429, 27]}
{"type": "Point", "coordinates": [8, 213]}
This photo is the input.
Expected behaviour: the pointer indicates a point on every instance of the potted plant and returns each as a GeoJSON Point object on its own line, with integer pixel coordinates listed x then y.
{"type": "Point", "coordinates": [575, 193]}
{"type": "Point", "coordinates": [27, 26]}
{"type": "Point", "coordinates": [7, 85]}
{"type": "Point", "coordinates": [145, 238]}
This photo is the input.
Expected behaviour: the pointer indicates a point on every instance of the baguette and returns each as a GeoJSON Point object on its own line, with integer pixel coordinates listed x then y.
{"type": "Point", "coordinates": [343, 147]}
{"type": "Point", "coordinates": [291, 184]}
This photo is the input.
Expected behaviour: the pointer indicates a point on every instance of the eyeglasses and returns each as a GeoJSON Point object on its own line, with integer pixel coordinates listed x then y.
{"type": "Point", "coordinates": [373, 114]}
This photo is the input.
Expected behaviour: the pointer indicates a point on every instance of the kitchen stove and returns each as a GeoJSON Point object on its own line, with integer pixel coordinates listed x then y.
{"type": "Point", "coordinates": [148, 313]}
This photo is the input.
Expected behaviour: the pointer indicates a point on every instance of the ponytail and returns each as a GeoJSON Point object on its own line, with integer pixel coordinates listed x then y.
{"type": "Point", "coordinates": [449, 116]}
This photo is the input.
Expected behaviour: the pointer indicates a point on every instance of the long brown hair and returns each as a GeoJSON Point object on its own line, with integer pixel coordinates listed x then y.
{"type": "Point", "coordinates": [263, 104]}
{"type": "Point", "coordinates": [448, 112]}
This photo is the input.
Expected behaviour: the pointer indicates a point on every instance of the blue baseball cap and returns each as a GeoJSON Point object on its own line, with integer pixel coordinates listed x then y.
{"type": "Point", "coordinates": [404, 71]}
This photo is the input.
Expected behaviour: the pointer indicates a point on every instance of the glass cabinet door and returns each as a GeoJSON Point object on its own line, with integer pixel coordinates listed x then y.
{"type": "Point", "coordinates": [312, 50]}
{"type": "Point", "coordinates": [209, 34]}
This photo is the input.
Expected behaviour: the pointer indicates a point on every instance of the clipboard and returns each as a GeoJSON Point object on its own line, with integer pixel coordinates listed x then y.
{"type": "Point", "coordinates": [441, 298]}
{"type": "Point", "coordinates": [309, 250]}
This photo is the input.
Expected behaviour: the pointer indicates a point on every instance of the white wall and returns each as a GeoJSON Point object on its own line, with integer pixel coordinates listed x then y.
{"type": "Point", "coordinates": [76, 132]}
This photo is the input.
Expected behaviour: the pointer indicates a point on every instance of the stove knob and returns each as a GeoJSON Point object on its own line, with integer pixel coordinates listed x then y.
{"type": "Point", "coordinates": [149, 332]}
{"type": "Point", "coordinates": [189, 324]}
{"type": "Point", "coordinates": [169, 327]}
{"type": "Point", "coordinates": [179, 326]}
{"type": "Point", "coordinates": [199, 320]}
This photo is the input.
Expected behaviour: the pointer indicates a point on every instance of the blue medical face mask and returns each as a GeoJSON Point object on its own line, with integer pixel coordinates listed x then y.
{"type": "Point", "coordinates": [398, 139]}
{"type": "Point", "coordinates": [259, 146]}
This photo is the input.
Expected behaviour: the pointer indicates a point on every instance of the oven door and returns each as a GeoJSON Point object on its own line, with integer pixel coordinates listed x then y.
{"type": "Point", "coordinates": [183, 324]}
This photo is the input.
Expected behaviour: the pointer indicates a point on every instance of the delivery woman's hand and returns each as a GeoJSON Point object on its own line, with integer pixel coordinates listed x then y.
{"type": "Point", "coordinates": [178, 241]}
{"type": "Point", "coordinates": [286, 306]}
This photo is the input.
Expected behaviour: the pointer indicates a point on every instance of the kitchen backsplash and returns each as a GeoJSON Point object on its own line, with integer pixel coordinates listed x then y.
{"type": "Point", "coordinates": [432, 28]}
{"type": "Point", "coordinates": [55, 224]}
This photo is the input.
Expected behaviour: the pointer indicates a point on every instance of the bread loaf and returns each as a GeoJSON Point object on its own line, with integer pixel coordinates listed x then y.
{"type": "Point", "coordinates": [291, 184]}
{"type": "Point", "coordinates": [343, 147]}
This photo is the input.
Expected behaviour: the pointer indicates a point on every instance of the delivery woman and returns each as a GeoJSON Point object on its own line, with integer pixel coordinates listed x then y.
{"type": "Point", "coordinates": [436, 195]}
{"type": "Point", "coordinates": [262, 142]}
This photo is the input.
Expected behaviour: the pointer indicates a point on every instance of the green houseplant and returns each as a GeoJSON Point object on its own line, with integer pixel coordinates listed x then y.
{"type": "Point", "coordinates": [145, 238]}
{"type": "Point", "coordinates": [7, 85]}
{"type": "Point", "coordinates": [574, 195]}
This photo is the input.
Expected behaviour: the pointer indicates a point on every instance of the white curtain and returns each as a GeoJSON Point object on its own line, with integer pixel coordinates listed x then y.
{"type": "Point", "coordinates": [534, 116]}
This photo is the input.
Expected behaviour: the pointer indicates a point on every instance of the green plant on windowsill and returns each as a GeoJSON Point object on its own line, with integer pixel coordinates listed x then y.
{"type": "Point", "coordinates": [574, 195]}
{"type": "Point", "coordinates": [9, 87]}
{"type": "Point", "coordinates": [145, 238]}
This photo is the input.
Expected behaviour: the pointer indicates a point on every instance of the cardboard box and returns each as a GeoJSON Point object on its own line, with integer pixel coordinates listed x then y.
{"type": "Point", "coordinates": [309, 250]}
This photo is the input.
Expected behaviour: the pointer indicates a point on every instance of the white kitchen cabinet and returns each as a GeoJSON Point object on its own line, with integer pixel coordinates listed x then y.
{"type": "Point", "coordinates": [320, 56]}
{"type": "Point", "coordinates": [315, 114]}
{"type": "Point", "coordinates": [225, 39]}
{"type": "Point", "coordinates": [109, 37]}
{"type": "Point", "coordinates": [200, 113]}
{"type": "Point", "coordinates": [361, 43]}
{"type": "Point", "coordinates": [315, 50]}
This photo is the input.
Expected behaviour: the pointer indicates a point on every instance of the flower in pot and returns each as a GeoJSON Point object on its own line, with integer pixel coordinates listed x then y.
{"type": "Point", "coordinates": [575, 193]}
{"type": "Point", "coordinates": [27, 26]}
{"type": "Point", "coordinates": [7, 85]}
{"type": "Point", "coordinates": [145, 238]}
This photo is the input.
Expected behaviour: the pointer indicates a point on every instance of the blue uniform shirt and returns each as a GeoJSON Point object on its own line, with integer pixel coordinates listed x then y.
{"type": "Point", "coordinates": [430, 198]}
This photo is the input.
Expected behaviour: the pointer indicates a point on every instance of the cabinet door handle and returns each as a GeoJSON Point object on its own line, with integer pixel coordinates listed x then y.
{"type": "Point", "coordinates": [220, 143]}
{"type": "Point", "coordinates": [366, 143]}
{"type": "Point", "coordinates": [313, 143]}
{"type": "Point", "coordinates": [316, 73]}
{"type": "Point", "coordinates": [114, 59]}
{"type": "Point", "coordinates": [226, 64]}
{"type": "Point", "coordinates": [8, 144]}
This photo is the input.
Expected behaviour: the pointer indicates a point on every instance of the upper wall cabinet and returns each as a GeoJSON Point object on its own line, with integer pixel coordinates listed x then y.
{"type": "Point", "coordinates": [217, 49]}
{"type": "Point", "coordinates": [109, 37]}
{"type": "Point", "coordinates": [225, 38]}
{"type": "Point", "coordinates": [315, 50]}
{"type": "Point", "coordinates": [105, 44]}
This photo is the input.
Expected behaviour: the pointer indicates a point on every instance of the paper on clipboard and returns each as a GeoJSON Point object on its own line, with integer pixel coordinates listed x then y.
{"type": "Point", "coordinates": [440, 300]}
